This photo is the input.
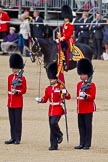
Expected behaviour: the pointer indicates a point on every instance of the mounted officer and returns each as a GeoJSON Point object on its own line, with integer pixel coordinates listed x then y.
{"type": "Point", "coordinates": [67, 29]}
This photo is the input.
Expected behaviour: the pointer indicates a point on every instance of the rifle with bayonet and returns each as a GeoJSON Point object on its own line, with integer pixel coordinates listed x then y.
{"type": "Point", "coordinates": [87, 85]}
{"type": "Point", "coordinates": [18, 82]}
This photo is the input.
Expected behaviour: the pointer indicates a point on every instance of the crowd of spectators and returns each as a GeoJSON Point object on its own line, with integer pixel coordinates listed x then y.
{"type": "Point", "coordinates": [9, 40]}
{"type": "Point", "coordinates": [32, 26]}
{"type": "Point", "coordinates": [95, 30]}
{"type": "Point", "coordinates": [29, 27]}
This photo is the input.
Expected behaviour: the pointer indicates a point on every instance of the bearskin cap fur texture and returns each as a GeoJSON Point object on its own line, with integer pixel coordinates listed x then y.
{"type": "Point", "coordinates": [84, 66]}
{"type": "Point", "coordinates": [52, 71]}
{"type": "Point", "coordinates": [66, 12]}
{"type": "Point", "coordinates": [16, 61]}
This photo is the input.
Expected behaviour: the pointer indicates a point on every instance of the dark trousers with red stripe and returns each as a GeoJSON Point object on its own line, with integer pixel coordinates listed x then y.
{"type": "Point", "coordinates": [85, 128]}
{"type": "Point", "coordinates": [65, 49]}
{"type": "Point", "coordinates": [15, 118]}
{"type": "Point", "coordinates": [64, 45]}
{"type": "Point", "coordinates": [55, 131]}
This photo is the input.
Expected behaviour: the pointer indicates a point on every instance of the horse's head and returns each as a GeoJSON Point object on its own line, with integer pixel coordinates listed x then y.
{"type": "Point", "coordinates": [35, 47]}
{"type": "Point", "coordinates": [46, 47]}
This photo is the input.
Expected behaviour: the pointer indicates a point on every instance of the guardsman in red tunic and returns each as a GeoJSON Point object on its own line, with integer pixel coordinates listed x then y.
{"type": "Point", "coordinates": [4, 23]}
{"type": "Point", "coordinates": [86, 91]}
{"type": "Point", "coordinates": [53, 93]}
{"type": "Point", "coordinates": [66, 35]}
{"type": "Point", "coordinates": [15, 98]}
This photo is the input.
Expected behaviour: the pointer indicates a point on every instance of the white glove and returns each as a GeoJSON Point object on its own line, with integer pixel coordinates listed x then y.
{"type": "Point", "coordinates": [38, 99]}
{"type": "Point", "coordinates": [57, 40]}
{"type": "Point", "coordinates": [64, 91]}
{"type": "Point", "coordinates": [83, 94]}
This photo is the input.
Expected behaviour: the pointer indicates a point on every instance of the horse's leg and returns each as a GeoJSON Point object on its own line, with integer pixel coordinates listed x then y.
{"type": "Point", "coordinates": [32, 57]}
{"type": "Point", "coordinates": [72, 64]}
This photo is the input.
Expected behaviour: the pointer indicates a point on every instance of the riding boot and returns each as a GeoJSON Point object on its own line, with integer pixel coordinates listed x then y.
{"type": "Point", "coordinates": [64, 49]}
{"type": "Point", "coordinates": [64, 61]}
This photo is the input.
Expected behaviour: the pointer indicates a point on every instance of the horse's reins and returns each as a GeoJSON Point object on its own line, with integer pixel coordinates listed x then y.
{"type": "Point", "coordinates": [40, 63]}
{"type": "Point", "coordinates": [35, 41]}
{"type": "Point", "coordinates": [39, 79]}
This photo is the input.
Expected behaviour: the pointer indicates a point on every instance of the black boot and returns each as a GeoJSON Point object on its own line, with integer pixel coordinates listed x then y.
{"type": "Point", "coordinates": [17, 142]}
{"type": "Point", "coordinates": [86, 148]}
{"type": "Point", "coordinates": [60, 138]}
{"type": "Point", "coordinates": [79, 147]}
{"type": "Point", "coordinates": [53, 148]}
{"type": "Point", "coordinates": [11, 141]}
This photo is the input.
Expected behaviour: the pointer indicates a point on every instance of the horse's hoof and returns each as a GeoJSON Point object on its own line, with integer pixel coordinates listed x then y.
{"type": "Point", "coordinates": [65, 67]}
{"type": "Point", "coordinates": [66, 70]}
{"type": "Point", "coordinates": [102, 58]}
{"type": "Point", "coordinates": [32, 59]}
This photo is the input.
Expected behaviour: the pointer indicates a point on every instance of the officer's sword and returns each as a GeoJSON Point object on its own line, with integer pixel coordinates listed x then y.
{"type": "Point", "coordinates": [67, 134]}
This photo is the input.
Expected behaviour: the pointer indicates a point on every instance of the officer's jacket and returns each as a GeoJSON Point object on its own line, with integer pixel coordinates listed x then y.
{"type": "Point", "coordinates": [53, 94]}
{"type": "Point", "coordinates": [37, 30]}
{"type": "Point", "coordinates": [16, 100]}
{"type": "Point", "coordinates": [67, 31]}
{"type": "Point", "coordinates": [84, 28]}
{"type": "Point", "coordinates": [86, 105]}
{"type": "Point", "coordinates": [97, 29]}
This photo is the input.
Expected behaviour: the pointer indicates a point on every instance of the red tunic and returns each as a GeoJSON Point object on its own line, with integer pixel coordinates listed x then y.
{"type": "Point", "coordinates": [4, 25]}
{"type": "Point", "coordinates": [86, 105]}
{"type": "Point", "coordinates": [53, 93]}
{"type": "Point", "coordinates": [16, 100]}
{"type": "Point", "coordinates": [67, 31]}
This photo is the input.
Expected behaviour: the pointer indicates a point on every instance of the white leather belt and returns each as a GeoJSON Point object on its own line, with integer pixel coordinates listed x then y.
{"type": "Point", "coordinates": [55, 103]}
{"type": "Point", "coordinates": [9, 92]}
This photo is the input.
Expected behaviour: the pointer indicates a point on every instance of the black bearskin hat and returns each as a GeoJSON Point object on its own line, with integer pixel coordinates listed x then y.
{"type": "Point", "coordinates": [16, 61]}
{"type": "Point", "coordinates": [66, 12]}
{"type": "Point", "coordinates": [84, 66]}
{"type": "Point", "coordinates": [52, 71]}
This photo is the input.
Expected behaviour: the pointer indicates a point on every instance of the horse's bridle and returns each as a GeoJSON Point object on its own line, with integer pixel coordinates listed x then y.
{"type": "Point", "coordinates": [35, 48]}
